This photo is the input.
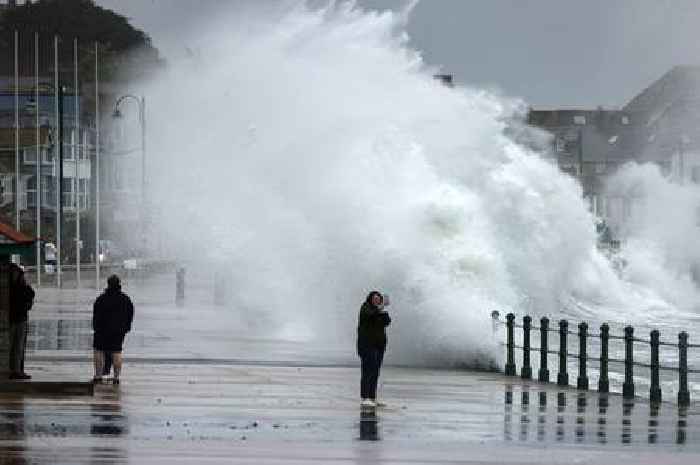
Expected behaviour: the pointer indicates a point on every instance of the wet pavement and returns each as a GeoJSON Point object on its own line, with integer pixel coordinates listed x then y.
{"type": "Point", "coordinates": [179, 403]}
{"type": "Point", "coordinates": [205, 413]}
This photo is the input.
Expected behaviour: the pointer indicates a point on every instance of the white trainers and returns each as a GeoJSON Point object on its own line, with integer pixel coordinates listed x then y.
{"type": "Point", "coordinates": [368, 403]}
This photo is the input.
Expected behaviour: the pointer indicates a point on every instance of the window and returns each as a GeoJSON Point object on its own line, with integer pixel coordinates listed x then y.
{"type": "Point", "coordinates": [69, 145]}
{"type": "Point", "coordinates": [560, 144]}
{"type": "Point", "coordinates": [600, 168]}
{"type": "Point", "coordinates": [31, 191]}
{"type": "Point", "coordinates": [580, 119]}
{"type": "Point", "coordinates": [29, 155]}
{"type": "Point", "coordinates": [625, 120]}
{"type": "Point", "coordinates": [48, 192]}
{"type": "Point", "coordinates": [6, 189]}
{"type": "Point", "coordinates": [613, 140]}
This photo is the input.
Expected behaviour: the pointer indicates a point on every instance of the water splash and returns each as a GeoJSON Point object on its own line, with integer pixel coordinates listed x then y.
{"type": "Point", "coordinates": [312, 152]}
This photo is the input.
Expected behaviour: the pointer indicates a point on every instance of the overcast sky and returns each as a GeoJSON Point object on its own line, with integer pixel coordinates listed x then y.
{"type": "Point", "coordinates": [549, 52]}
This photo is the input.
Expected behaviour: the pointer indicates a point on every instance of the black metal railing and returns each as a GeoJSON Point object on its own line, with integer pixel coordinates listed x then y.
{"type": "Point", "coordinates": [604, 360]}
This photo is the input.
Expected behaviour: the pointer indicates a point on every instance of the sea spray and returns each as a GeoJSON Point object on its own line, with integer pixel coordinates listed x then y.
{"type": "Point", "coordinates": [311, 154]}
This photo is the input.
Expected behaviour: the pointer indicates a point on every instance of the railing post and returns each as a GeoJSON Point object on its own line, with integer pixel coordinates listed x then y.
{"type": "Point", "coordinates": [543, 375]}
{"type": "Point", "coordinates": [510, 345]}
{"type": "Point", "coordinates": [563, 376]}
{"type": "Point", "coordinates": [603, 382]}
{"type": "Point", "coordinates": [683, 394]}
{"type": "Point", "coordinates": [628, 385]}
{"type": "Point", "coordinates": [526, 370]}
{"type": "Point", "coordinates": [655, 389]}
{"type": "Point", "coordinates": [582, 382]}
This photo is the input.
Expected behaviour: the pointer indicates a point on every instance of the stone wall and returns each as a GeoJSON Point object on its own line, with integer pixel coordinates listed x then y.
{"type": "Point", "coordinates": [4, 319]}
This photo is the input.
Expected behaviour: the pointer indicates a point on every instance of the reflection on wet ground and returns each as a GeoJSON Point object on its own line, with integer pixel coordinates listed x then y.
{"type": "Point", "coordinates": [222, 406]}
{"type": "Point", "coordinates": [585, 417]}
{"type": "Point", "coordinates": [369, 425]}
{"type": "Point", "coordinates": [59, 334]}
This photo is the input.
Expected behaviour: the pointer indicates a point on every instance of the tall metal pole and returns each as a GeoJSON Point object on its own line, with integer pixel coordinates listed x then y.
{"type": "Point", "coordinates": [38, 159]}
{"type": "Point", "coordinates": [61, 95]}
{"type": "Point", "coordinates": [144, 202]}
{"type": "Point", "coordinates": [76, 158]}
{"type": "Point", "coordinates": [58, 162]}
{"type": "Point", "coordinates": [17, 174]}
{"type": "Point", "coordinates": [97, 171]}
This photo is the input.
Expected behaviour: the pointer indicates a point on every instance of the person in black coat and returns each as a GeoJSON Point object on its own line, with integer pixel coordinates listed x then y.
{"type": "Point", "coordinates": [371, 344]}
{"type": "Point", "coordinates": [112, 316]}
{"type": "Point", "coordinates": [21, 301]}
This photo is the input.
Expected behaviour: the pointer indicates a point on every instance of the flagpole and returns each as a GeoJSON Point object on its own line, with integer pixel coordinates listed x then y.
{"type": "Point", "coordinates": [38, 160]}
{"type": "Point", "coordinates": [57, 162]}
{"type": "Point", "coordinates": [97, 171]}
{"type": "Point", "coordinates": [76, 159]}
{"type": "Point", "coordinates": [17, 173]}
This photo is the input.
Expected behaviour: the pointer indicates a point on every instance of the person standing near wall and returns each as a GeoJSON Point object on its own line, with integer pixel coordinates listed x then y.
{"type": "Point", "coordinates": [112, 316]}
{"type": "Point", "coordinates": [371, 345]}
{"type": "Point", "coordinates": [21, 301]}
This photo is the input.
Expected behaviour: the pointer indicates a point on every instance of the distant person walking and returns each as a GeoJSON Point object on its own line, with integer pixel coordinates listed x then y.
{"type": "Point", "coordinates": [112, 316]}
{"type": "Point", "coordinates": [371, 344]}
{"type": "Point", "coordinates": [21, 301]}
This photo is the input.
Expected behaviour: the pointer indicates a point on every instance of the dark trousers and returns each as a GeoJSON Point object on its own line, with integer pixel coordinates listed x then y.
{"type": "Point", "coordinates": [371, 364]}
{"type": "Point", "coordinates": [18, 345]}
{"type": "Point", "coordinates": [108, 363]}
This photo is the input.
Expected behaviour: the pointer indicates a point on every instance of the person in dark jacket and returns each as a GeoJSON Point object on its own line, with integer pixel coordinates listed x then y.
{"type": "Point", "coordinates": [371, 344]}
{"type": "Point", "coordinates": [21, 301]}
{"type": "Point", "coordinates": [112, 316]}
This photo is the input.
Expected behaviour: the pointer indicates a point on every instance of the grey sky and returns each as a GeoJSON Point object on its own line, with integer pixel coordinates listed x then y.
{"type": "Point", "coordinates": [549, 52]}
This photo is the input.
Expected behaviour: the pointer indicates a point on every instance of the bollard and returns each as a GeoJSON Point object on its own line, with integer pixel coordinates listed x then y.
{"type": "Point", "coordinates": [180, 286]}
{"type": "Point", "coordinates": [655, 389]}
{"type": "Point", "coordinates": [628, 385]}
{"type": "Point", "coordinates": [494, 322]}
{"type": "Point", "coordinates": [582, 381]}
{"type": "Point", "coordinates": [510, 346]}
{"type": "Point", "coordinates": [563, 376]}
{"type": "Point", "coordinates": [683, 394]}
{"type": "Point", "coordinates": [603, 382]}
{"type": "Point", "coordinates": [526, 370]}
{"type": "Point", "coordinates": [543, 375]}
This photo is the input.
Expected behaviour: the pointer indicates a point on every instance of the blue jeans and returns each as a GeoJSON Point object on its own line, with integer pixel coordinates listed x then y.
{"type": "Point", "coordinates": [371, 364]}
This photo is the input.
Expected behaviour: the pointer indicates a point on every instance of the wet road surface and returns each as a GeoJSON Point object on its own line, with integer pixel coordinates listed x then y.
{"type": "Point", "coordinates": [203, 413]}
{"type": "Point", "coordinates": [179, 404]}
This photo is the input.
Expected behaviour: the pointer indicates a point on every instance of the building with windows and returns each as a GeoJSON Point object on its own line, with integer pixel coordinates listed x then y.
{"type": "Point", "coordinates": [660, 125]}
{"type": "Point", "coordinates": [32, 144]}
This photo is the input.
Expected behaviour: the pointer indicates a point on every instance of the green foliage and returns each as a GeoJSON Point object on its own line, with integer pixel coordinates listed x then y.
{"type": "Point", "coordinates": [76, 18]}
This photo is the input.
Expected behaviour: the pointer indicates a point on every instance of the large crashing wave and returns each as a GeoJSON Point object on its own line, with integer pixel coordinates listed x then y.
{"type": "Point", "coordinates": [313, 152]}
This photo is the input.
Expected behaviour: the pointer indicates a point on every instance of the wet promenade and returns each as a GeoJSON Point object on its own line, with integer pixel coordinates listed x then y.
{"type": "Point", "coordinates": [178, 404]}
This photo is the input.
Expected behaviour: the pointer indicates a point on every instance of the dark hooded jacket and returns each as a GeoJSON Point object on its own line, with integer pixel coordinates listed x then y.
{"type": "Point", "coordinates": [371, 328]}
{"type": "Point", "coordinates": [112, 313]}
{"type": "Point", "coordinates": [21, 296]}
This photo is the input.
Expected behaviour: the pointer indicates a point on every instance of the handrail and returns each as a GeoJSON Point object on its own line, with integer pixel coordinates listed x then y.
{"type": "Point", "coordinates": [630, 341]}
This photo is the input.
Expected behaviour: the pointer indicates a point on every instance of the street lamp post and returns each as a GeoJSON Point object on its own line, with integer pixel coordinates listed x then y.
{"type": "Point", "coordinates": [141, 102]}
